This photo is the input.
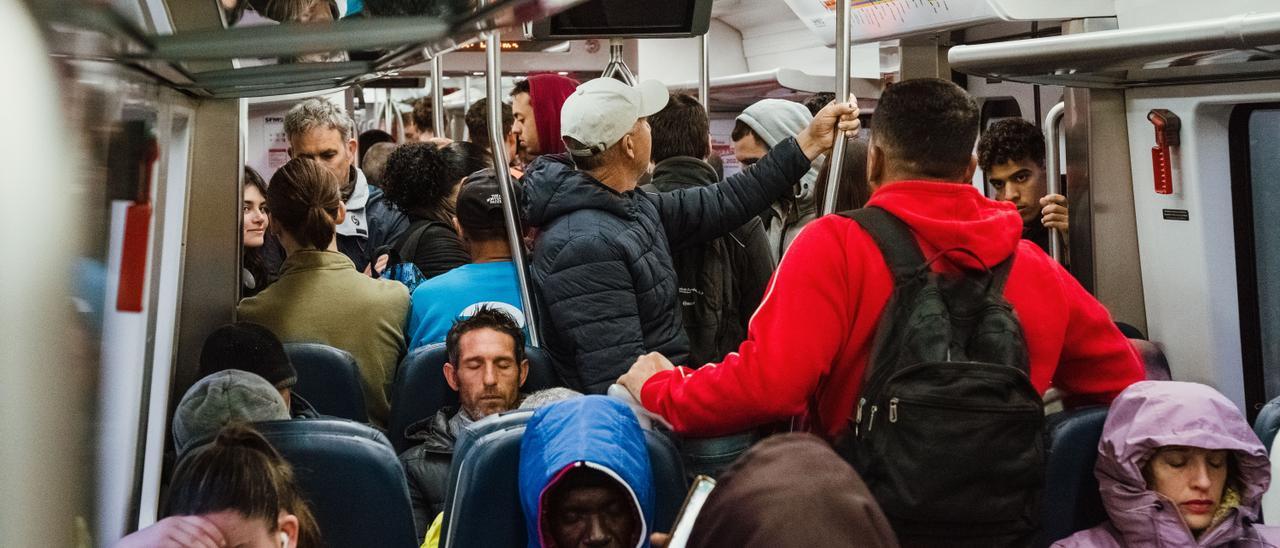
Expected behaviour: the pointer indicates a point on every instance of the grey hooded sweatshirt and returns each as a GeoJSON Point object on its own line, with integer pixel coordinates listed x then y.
{"type": "Point", "coordinates": [774, 120]}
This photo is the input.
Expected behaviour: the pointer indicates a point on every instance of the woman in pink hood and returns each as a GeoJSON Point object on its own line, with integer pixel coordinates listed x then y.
{"type": "Point", "coordinates": [1178, 466]}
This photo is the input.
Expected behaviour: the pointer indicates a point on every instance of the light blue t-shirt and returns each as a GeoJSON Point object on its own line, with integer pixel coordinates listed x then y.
{"type": "Point", "coordinates": [456, 294]}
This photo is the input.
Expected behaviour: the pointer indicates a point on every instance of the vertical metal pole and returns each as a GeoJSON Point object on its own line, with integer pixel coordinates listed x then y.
{"type": "Point", "coordinates": [466, 100]}
{"type": "Point", "coordinates": [437, 97]}
{"type": "Point", "coordinates": [836, 160]}
{"type": "Point", "coordinates": [704, 72]}
{"type": "Point", "coordinates": [1053, 175]}
{"type": "Point", "coordinates": [497, 139]}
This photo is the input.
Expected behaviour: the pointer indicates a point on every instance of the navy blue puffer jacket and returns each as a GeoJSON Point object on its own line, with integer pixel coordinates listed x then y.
{"type": "Point", "coordinates": [602, 264]}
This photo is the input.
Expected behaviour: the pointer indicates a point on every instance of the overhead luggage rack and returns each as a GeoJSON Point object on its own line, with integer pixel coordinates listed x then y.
{"type": "Point", "coordinates": [1228, 49]}
{"type": "Point", "coordinates": [738, 91]}
{"type": "Point", "coordinates": [365, 48]}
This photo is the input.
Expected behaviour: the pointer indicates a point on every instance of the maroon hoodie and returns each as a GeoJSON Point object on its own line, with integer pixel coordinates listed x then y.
{"type": "Point", "coordinates": [547, 93]}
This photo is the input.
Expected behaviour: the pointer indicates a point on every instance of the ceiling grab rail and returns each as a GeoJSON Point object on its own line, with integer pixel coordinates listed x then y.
{"type": "Point", "coordinates": [836, 158]}
{"type": "Point", "coordinates": [497, 140]}
{"type": "Point", "coordinates": [704, 71]}
{"type": "Point", "coordinates": [437, 96]}
{"type": "Point", "coordinates": [617, 67]}
{"type": "Point", "coordinates": [1053, 175]}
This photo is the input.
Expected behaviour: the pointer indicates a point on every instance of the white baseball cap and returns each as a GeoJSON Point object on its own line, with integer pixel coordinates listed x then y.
{"type": "Point", "coordinates": [600, 112]}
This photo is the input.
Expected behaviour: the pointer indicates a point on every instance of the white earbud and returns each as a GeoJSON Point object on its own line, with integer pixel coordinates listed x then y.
{"type": "Point", "coordinates": [284, 539]}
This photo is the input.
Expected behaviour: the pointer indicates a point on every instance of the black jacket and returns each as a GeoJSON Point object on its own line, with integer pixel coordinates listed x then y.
{"type": "Point", "coordinates": [721, 281]}
{"type": "Point", "coordinates": [439, 248]}
{"type": "Point", "coordinates": [426, 466]}
{"type": "Point", "coordinates": [602, 264]}
{"type": "Point", "coordinates": [386, 225]}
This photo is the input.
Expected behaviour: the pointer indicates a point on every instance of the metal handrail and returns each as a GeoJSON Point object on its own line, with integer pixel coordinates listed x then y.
{"type": "Point", "coordinates": [437, 95]}
{"type": "Point", "coordinates": [1053, 176]}
{"type": "Point", "coordinates": [836, 159]}
{"type": "Point", "coordinates": [704, 71]}
{"type": "Point", "coordinates": [497, 139]}
{"type": "Point", "coordinates": [617, 67]}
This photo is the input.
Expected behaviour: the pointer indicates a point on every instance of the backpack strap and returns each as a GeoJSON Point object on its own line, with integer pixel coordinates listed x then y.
{"type": "Point", "coordinates": [894, 238]}
{"type": "Point", "coordinates": [410, 244]}
{"type": "Point", "coordinates": [1000, 275]}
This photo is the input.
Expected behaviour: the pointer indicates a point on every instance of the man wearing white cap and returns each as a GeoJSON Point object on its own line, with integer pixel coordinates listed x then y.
{"type": "Point", "coordinates": [602, 263]}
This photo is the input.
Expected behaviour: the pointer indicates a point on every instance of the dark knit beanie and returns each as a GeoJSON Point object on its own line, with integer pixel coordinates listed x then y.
{"type": "Point", "coordinates": [249, 347]}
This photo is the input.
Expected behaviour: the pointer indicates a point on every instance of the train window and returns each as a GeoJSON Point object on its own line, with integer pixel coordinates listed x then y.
{"type": "Point", "coordinates": [1255, 172]}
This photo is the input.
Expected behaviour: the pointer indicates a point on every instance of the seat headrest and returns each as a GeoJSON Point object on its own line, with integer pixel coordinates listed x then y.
{"type": "Point", "coordinates": [1268, 423]}
{"type": "Point", "coordinates": [352, 479]}
{"type": "Point", "coordinates": [1071, 499]}
{"type": "Point", "coordinates": [329, 379]}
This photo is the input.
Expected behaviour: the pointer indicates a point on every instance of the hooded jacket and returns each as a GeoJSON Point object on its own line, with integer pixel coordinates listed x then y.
{"type": "Point", "coordinates": [791, 490]}
{"type": "Point", "coordinates": [775, 120]}
{"type": "Point", "coordinates": [721, 281]}
{"type": "Point", "coordinates": [808, 345]}
{"type": "Point", "coordinates": [371, 222]}
{"type": "Point", "coordinates": [426, 465]}
{"type": "Point", "coordinates": [602, 263]}
{"type": "Point", "coordinates": [1154, 414]}
{"type": "Point", "coordinates": [547, 93]}
{"type": "Point", "coordinates": [593, 431]}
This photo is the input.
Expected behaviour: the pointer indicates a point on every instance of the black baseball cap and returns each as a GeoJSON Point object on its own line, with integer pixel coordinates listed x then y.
{"type": "Point", "coordinates": [250, 347]}
{"type": "Point", "coordinates": [479, 208]}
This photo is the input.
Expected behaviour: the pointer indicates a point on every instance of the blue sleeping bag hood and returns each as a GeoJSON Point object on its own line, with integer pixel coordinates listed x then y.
{"type": "Point", "coordinates": [594, 431]}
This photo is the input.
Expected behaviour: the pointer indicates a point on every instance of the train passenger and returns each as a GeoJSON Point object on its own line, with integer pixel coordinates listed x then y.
{"type": "Point", "coordinates": [1012, 153]}
{"type": "Point", "coordinates": [368, 139]}
{"type": "Point", "coordinates": [374, 163]}
{"type": "Point", "coordinates": [477, 119]}
{"type": "Point", "coordinates": [250, 347]}
{"type": "Point", "coordinates": [319, 130]}
{"type": "Point", "coordinates": [486, 368]}
{"type": "Point", "coordinates": [790, 490]}
{"type": "Point", "coordinates": [585, 477]}
{"type": "Point", "coordinates": [419, 180]}
{"type": "Point", "coordinates": [816, 101]}
{"type": "Point", "coordinates": [320, 297]}
{"type": "Point", "coordinates": [536, 103]}
{"type": "Point", "coordinates": [1178, 465]}
{"type": "Point", "coordinates": [488, 281]}
{"type": "Point", "coordinates": [602, 263]}
{"type": "Point", "coordinates": [466, 158]}
{"type": "Point", "coordinates": [262, 252]}
{"type": "Point", "coordinates": [757, 130]}
{"type": "Point", "coordinates": [235, 491]}
{"type": "Point", "coordinates": [721, 281]}
{"type": "Point", "coordinates": [423, 119]}
{"type": "Point", "coordinates": [221, 399]}
{"type": "Point", "coordinates": [852, 191]}
{"type": "Point", "coordinates": [410, 128]}
{"type": "Point", "coordinates": [807, 350]}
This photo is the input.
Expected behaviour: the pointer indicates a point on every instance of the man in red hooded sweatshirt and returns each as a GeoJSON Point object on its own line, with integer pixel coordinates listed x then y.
{"type": "Point", "coordinates": [536, 103]}
{"type": "Point", "coordinates": [809, 343]}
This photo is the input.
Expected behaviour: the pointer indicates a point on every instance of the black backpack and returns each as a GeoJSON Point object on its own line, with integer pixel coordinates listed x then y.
{"type": "Point", "coordinates": [948, 431]}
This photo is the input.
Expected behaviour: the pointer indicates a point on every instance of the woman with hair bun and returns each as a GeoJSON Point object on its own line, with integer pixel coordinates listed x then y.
{"type": "Point", "coordinates": [234, 491]}
{"type": "Point", "coordinates": [320, 296]}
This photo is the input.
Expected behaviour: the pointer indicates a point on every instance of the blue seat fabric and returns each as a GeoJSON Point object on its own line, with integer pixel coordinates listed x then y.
{"type": "Point", "coordinates": [1071, 499]}
{"type": "Point", "coordinates": [329, 379]}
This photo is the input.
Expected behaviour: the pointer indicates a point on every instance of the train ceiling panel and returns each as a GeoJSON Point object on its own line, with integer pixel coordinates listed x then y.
{"type": "Point", "coordinates": [875, 20]}
{"type": "Point", "coordinates": [1236, 48]}
{"type": "Point", "coordinates": [287, 54]}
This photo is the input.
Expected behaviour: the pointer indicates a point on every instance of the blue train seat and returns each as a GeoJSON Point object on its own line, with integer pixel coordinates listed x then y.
{"type": "Point", "coordinates": [351, 477]}
{"type": "Point", "coordinates": [329, 379]}
{"type": "Point", "coordinates": [1071, 499]}
{"type": "Point", "coordinates": [1268, 423]}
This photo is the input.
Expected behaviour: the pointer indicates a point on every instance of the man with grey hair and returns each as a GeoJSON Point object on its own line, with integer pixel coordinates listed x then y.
{"type": "Point", "coordinates": [602, 263]}
{"type": "Point", "coordinates": [320, 130]}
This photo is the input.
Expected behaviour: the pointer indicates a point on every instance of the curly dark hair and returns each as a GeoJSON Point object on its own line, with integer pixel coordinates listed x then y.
{"type": "Point", "coordinates": [418, 180]}
{"type": "Point", "coordinates": [818, 100]}
{"type": "Point", "coordinates": [1011, 140]}
{"type": "Point", "coordinates": [521, 87]}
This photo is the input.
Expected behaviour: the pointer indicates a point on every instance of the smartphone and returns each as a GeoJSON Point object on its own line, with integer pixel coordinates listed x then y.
{"type": "Point", "coordinates": [702, 486]}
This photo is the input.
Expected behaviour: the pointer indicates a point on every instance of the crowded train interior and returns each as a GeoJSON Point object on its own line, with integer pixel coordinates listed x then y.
{"type": "Point", "coordinates": [502, 273]}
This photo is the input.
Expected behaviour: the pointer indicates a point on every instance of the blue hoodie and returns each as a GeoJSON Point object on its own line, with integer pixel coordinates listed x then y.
{"type": "Point", "coordinates": [593, 431]}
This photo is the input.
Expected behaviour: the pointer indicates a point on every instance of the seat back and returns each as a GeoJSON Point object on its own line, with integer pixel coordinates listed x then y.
{"type": "Point", "coordinates": [1153, 360]}
{"type": "Point", "coordinates": [485, 492]}
{"type": "Point", "coordinates": [329, 379]}
{"type": "Point", "coordinates": [1071, 499]}
{"type": "Point", "coordinates": [351, 478]}
{"type": "Point", "coordinates": [420, 389]}
{"type": "Point", "coordinates": [1268, 423]}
